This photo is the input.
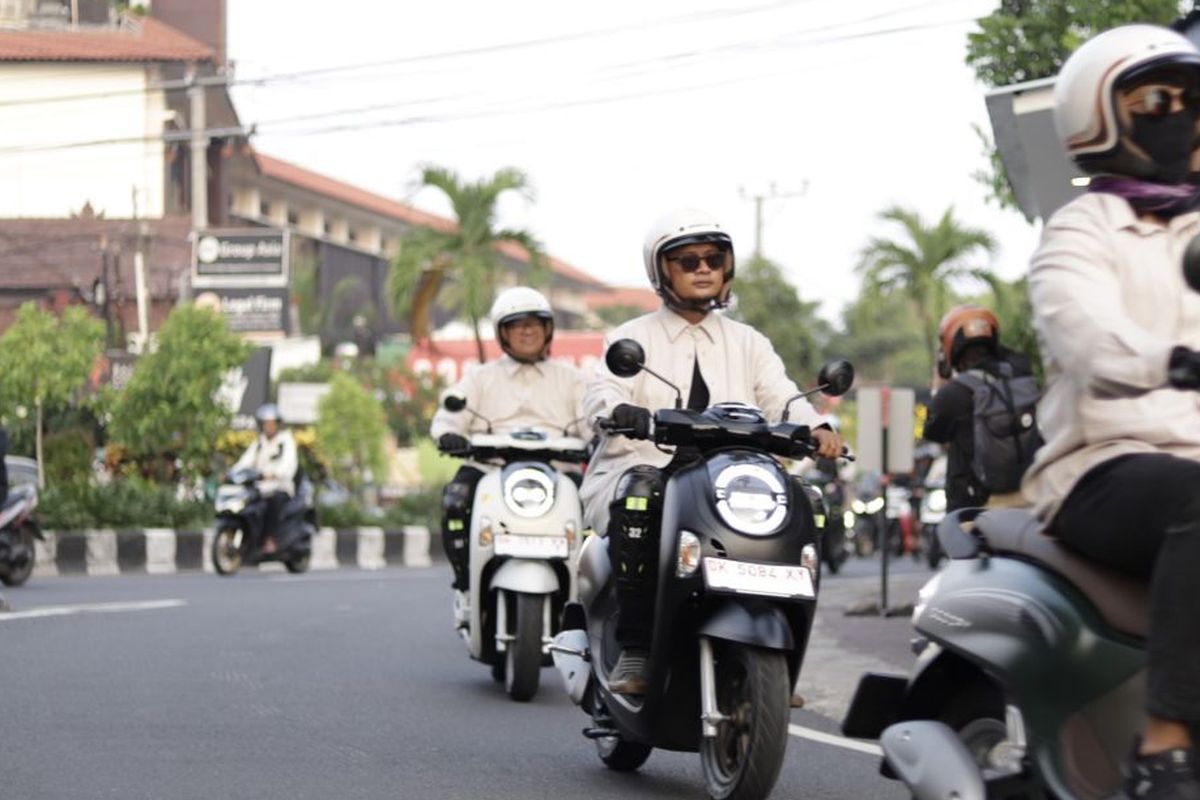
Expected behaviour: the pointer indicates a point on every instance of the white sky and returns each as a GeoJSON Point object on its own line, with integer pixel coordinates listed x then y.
{"type": "Point", "coordinates": [635, 107]}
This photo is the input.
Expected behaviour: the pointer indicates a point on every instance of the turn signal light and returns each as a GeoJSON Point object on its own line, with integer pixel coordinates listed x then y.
{"type": "Point", "coordinates": [688, 559]}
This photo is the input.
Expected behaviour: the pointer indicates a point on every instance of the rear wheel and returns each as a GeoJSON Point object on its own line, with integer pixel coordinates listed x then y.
{"type": "Point", "coordinates": [620, 755]}
{"type": "Point", "coordinates": [298, 564]}
{"type": "Point", "coordinates": [523, 657]}
{"type": "Point", "coordinates": [227, 550]}
{"type": "Point", "coordinates": [742, 761]}
{"type": "Point", "coordinates": [22, 566]}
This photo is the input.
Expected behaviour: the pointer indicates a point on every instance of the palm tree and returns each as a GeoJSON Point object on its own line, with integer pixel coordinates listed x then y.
{"type": "Point", "coordinates": [463, 259]}
{"type": "Point", "coordinates": [923, 266]}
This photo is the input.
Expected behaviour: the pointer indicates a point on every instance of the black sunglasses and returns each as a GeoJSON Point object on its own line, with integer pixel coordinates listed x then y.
{"type": "Point", "coordinates": [690, 262]}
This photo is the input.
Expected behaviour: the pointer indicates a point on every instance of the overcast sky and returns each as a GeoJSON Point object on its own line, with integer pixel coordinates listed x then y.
{"type": "Point", "coordinates": [623, 110]}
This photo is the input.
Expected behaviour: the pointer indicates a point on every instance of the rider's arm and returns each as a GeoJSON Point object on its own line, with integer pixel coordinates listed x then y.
{"type": "Point", "coordinates": [248, 458]}
{"type": "Point", "coordinates": [456, 421]}
{"type": "Point", "coordinates": [951, 404]}
{"type": "Point", "coordinates": [288, 461]}
{"type": "Point", "coordinates": [1081, 310]}
{"type": "Point", "coordinates": [605, 391]}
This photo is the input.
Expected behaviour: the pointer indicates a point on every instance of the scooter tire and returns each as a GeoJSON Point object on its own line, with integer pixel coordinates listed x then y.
{"type": "Point", "coordinates": [226, 560]}
{"type": "Point", "coordinates": [18, 576]}
{"type": "Point", "coordinates": [523, 656]}
{"type": "Point", "coordinates": [298, 564]}
{"type": "Point", "coordinates": [620, 755]}
{"type": "Point", "coordinates": [743, 760]}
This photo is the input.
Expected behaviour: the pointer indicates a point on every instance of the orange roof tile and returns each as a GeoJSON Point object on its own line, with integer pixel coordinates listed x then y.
{"type": "Point", "coordinates": [137, 40]}
{"type": "Point", "coordinates": [347, 193]}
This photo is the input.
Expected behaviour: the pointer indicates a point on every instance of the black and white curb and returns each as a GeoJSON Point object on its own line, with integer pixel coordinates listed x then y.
{"type": "Point", "coordinates": [163, 551]}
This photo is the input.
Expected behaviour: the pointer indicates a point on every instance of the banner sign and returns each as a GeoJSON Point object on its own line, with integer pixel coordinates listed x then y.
{"type": "Point", "coordinates": [243, 257]}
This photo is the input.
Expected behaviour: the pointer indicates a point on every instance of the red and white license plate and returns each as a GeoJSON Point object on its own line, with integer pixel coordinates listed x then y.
{"type": "Point", "coordinates": [748, 577]}
{"type": "Point", "coordinates": [530, 546]}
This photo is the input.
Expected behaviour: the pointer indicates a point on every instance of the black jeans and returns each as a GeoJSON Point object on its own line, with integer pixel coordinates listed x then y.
{"type": "Point", "coordinates": [1140, 514]}
{"type": "Point", "coordinates": [457, 499]}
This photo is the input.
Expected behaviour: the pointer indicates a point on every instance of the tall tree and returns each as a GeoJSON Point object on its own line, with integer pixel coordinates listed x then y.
{"type": "Point", "coordinates": [459, 267]}
{"type": "Point", "coordinates": [767, 301]}
{"type": "Point", "coordinates": [923, 263]}
{"type": "Point", "coordinates": [883, 339]}
{"type": "Point", "coordinates": [351, 427]}
{"type": "Point", "coordinates": [45, 360]}
{"type": "Point", "coordinates": [1024, 40]}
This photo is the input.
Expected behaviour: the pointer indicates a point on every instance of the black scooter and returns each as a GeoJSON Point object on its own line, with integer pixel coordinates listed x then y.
{"type": "Point", "coordinates": [239, 505]}
{"type": "Point", "coordinates": [18, 529]}
{"type": "Point", "coordinates": [737, 584]}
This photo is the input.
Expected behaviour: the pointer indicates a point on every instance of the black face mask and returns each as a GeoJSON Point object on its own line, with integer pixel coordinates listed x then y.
{"type": "Point", "coordinates": [1168, 140]}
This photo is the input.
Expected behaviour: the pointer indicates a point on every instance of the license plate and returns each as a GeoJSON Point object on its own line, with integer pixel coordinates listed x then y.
{"type": "Point", "coordinates": [747, 577]}
{"type": "Point", "coordinates": [525, 546]}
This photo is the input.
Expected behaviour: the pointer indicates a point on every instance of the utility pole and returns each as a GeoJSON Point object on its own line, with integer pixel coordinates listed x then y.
{"type": "Point", "coordinates": [199, 150]}
{"type": "Point", "coordinates": [139, 274]}
{"type": "Point", "coordinates": [758, 199]}
{"type": "Point", "coordinates": [104, 290]}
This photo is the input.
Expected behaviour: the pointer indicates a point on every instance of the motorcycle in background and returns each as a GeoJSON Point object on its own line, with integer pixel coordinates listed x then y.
{"type": "Point", "coordinates": [18, 526]}
{"type": "Point", "coordinates": [526, 524]}
{"type": "Point", "coordinates": [737, 581]}
{"type": "Point", "coordinates": [831, 515]}
{"type": "Point", "coordinates": [240, 505]}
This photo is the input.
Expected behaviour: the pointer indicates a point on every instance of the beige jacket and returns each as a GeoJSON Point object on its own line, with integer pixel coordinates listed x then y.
{"type": "Point", "coordinates": [1109, 304]}
{"type": "Point", "coordinates": [738, 364]}
{"type": "Point", "coordinates": [547, 396]}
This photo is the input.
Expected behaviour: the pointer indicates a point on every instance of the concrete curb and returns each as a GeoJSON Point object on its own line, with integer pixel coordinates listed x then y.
{"type": "Point", "coordinates": [162, 551]}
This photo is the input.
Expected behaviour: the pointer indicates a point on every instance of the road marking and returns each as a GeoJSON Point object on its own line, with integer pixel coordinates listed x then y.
{"type": "Point", "coordinates": [836, 741]}
{"type": "Point", "coordinates": [90, 608]}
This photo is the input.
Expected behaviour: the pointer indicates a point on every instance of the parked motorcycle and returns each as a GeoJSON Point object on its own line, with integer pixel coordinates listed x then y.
{"type": "Point", "coordinates": [933, 511]}
{"type": "Point", "coordinates": [737, 583]}
{"type": "Point", "coordinates": [240, 505]}
{"type": "Point", "coordinates": [18, 530]}
{"type": "Point", "coordinates": [1030, 680]}
{"type": "Point", "coordinates": [526, 523]}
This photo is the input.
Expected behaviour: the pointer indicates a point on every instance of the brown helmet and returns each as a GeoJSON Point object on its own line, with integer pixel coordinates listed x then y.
{"type": "Point", "coordinates": [964, 325]}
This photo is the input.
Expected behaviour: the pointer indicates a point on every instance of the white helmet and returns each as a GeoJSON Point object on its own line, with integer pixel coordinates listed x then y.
{"type": "Point", "coordinates": [685, 226]}
{"type": "Point", "coordinates": [1084, 94]}
{"type": "Point", "coordinates": [517, 302]}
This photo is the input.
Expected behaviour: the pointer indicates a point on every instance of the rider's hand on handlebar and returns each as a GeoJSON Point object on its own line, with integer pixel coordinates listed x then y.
{"type": "Point", "coordinates": [1183, 370]}
{"type": "Point", "coordinates": [828, 443]}
{"type": "Point", "coordinates": [453, 443]}
{"type": "Point", "coordinates": [633, 418]}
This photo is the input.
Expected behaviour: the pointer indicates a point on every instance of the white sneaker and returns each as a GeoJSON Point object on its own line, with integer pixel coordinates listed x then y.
{"type": "Point", "coordinates": [462, 609]}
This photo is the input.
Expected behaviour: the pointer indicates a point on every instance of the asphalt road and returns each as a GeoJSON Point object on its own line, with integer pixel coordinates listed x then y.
{"type": "Point", "coordinates": [344, 685]}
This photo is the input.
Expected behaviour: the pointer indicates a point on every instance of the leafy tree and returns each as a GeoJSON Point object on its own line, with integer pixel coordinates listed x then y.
{"type": "Point", "coordinates": [1025, 40]}
{"type": "Point", "coordinates": [884, 340]}
{"type": "Point", "coordinates": [350, 431]}
{"type": "Point", "coordinates": [45, 360]}
{"type": "Point", "coordinates": [923, 264]}
{"type": "Point", "coordinates": [463, 262]}
{"type": "Point", "coordinates": [769, 303]}
{"type": "Point", "coordinates": [1010, 301]}
{"type": "Point", "coordinates": [167, 412]}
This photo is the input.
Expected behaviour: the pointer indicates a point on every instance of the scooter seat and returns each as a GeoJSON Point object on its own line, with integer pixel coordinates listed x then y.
{"type": "Point", "coordinates": [1124, 602]}
{"type": "Point", "coordinates": [18, 494]}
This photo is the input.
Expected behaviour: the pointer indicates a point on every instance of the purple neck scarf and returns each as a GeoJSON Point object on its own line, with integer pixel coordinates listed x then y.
{"type": "Point", "coordinates": [1164, 199]}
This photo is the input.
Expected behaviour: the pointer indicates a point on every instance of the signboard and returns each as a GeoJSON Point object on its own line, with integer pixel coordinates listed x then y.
{"type": "Point", "coordinates": [298, 401]}
{"type": "Point", "coordinates": [244, 257]}
{"type": "Point", "coordinates": [249, 310]}
{"type": "Point", "coordinates": [885, 416]}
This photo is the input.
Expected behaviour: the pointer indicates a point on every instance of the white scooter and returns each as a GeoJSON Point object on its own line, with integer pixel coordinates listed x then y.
{"type": "Point", "coordinates": [524, 538]}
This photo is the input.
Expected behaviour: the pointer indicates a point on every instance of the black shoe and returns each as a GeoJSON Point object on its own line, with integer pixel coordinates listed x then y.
{"type": "Point", "coordinates": [629, 675]}
{"type": "Point", "coordinates": [1169, 775]}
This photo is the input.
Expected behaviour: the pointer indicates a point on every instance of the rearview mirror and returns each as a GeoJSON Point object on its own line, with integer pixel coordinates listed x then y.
{"type": "Point", "coordinates": [836, 377]}
{"type": "Point", "coordinates": [454, 402]}
{"type": "Point", "coordinates": [625, 358]}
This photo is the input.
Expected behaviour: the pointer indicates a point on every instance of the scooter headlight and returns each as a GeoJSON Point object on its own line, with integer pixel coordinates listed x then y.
{"type": "Point", "coordinates": [529, 492]}
{"type": "Point", "coordinates": [231, 499]}
{"type": "Point", "coordinates": [937, 500]}
{"type": "Point", "coordinates": [688, 559]}
{"type": "Point", "coordinates": [858, 507]}
{"type": "Point", "coordinates": [848, 519]}
{"type": "Point", "coordinates": [751, 498]}
{"type": "Point", "coordinates": [875, 506]}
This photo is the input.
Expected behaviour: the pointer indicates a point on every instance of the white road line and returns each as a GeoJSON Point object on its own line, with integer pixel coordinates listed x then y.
{"type": "Point", "coordinates": [90, 608]}
{"type": "Point", "coordinates": [836, 741]}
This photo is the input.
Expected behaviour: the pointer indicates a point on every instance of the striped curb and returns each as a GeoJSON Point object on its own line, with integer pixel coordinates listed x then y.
{"type": "Point", "coordinates": [163, 551]}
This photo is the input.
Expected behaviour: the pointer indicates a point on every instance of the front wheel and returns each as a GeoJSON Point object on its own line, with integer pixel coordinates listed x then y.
{"type": "Point", "coordinates": [227, 551]}
{"type": "Point", "coordinates": [22, 553]}
{"type": "Point", "coordinates": [523, 657]}
{"type": "Point", "coordinates": [742, 761]}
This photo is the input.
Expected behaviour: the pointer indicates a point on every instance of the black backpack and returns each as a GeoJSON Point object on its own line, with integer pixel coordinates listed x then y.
{"type": "Point", "coordinates": [1005, 426]}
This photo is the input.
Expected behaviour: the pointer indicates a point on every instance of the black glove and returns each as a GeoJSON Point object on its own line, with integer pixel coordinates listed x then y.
{"type": "Point", "coordinates": [1183, 370]}
{"type": "Point", "coordinates": [453, 443]}
{"type": "Point", "coordinates": [634, 419]}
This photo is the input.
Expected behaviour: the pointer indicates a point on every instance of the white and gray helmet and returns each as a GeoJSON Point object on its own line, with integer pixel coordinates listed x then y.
{"type": "Point", "coordinates": [676, 229]}
{"type": "Point", "coordinates": [516, 303]}
{"type": "Point", "coordinates": [1085, 113]}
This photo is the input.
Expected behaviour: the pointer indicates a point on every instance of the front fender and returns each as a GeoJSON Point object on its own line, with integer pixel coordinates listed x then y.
{"type": "Point", "coordinates": [758, 625]}
{"type": "Point", "coordinates": [525, 575]}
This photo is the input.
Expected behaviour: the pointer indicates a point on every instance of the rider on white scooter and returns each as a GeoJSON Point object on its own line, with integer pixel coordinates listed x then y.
{"type": "Point", "coordinates": [689, 261]}
{"type": "Point", "coordinates": [1120, 333]}
{"type": "Point", "coordinates": [522, 389]}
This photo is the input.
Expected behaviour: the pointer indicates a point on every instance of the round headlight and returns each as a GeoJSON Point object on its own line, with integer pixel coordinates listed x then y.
{"type": "Point", "coordinates": [751, 498]}
{"type": "Point", "coordinates": [529, 492]}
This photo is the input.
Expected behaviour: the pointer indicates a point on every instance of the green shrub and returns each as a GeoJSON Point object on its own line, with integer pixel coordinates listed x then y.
{"type": "Point", "coordinates": [128, 503]}
{"type": "Point", "coordinates": [68, 455]}
{"type": "Point", "coordinates": [421, 508]}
